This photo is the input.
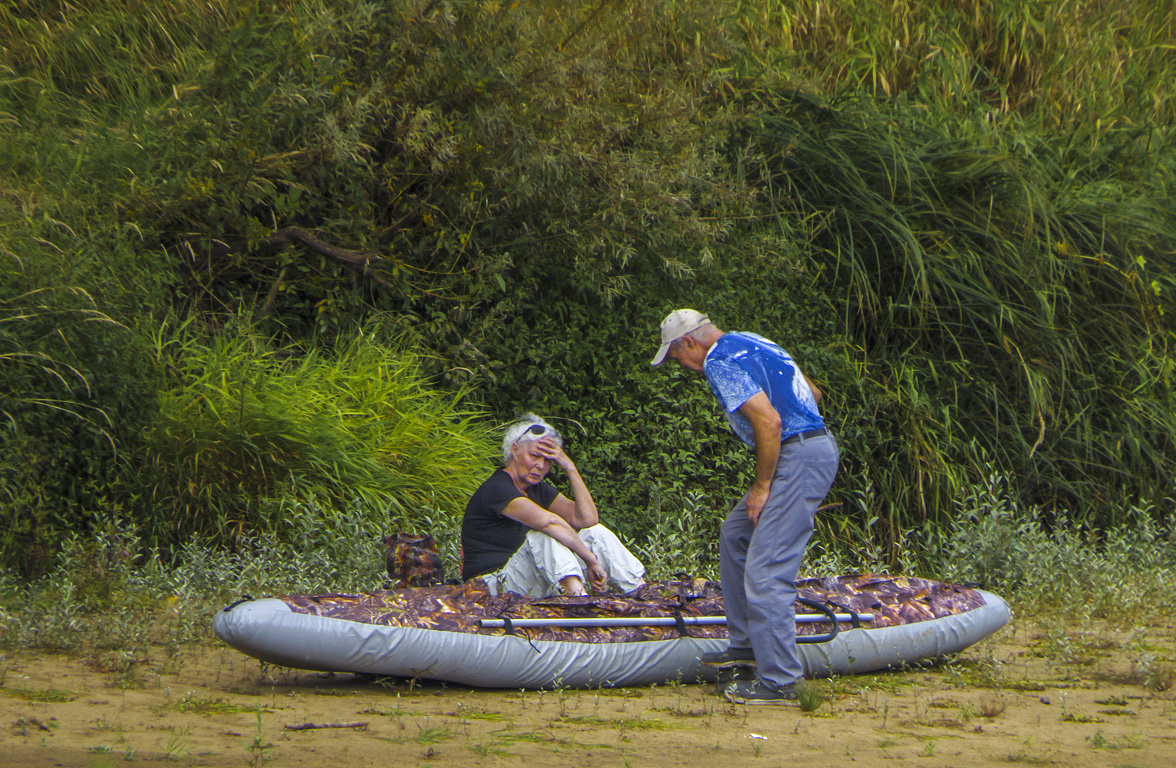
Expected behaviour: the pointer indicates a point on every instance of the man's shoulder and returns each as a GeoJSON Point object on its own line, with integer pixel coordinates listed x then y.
{"type": "Point", "coordinates": [735, 344]}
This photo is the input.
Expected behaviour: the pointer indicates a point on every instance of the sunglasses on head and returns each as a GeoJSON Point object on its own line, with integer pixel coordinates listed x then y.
{"type": "Point", "coordinates": [539, 429]}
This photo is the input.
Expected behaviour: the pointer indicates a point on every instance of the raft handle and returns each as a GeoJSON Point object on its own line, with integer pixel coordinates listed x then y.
{"type": "Point", "coordinates": [826, 609]}
{"type": "Point", "coordinates": [244, 599]}
{"type": "Point", "coordinates": [855, 619]}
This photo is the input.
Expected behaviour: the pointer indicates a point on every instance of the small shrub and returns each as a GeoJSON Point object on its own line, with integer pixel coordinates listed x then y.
{"type": "Point", "coordinates": [992, 706]}
{"type": "Point", "coordinates": [809, 696]}
{"type": "Point", "coordinates": [683, 540]}
{"type": "Point", "coordinates": [997, 542]}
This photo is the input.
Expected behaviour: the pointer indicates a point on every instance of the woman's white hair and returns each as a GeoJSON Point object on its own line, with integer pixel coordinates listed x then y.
{"type": "Point", "coordinates": [522, 431]}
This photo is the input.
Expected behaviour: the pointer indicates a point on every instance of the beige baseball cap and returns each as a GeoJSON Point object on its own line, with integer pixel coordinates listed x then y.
{"type": "Point", "coordinates": [676, 325]}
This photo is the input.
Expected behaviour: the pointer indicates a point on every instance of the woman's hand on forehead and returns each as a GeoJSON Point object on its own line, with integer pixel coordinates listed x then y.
{"type": "Point", "coordinates": [554, 452]}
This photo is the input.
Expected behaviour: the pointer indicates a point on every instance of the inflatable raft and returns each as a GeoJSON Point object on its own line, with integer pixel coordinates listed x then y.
{"type": "Point", "coordinates": [463, 634]}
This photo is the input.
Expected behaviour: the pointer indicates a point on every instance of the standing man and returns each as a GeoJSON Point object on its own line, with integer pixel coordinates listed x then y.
{"type": "Point", "coordinates": [772, 407]}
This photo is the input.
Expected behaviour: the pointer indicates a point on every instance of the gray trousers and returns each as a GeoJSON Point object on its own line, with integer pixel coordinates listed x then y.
{"type": "Point", "coordinates": [758, 564]}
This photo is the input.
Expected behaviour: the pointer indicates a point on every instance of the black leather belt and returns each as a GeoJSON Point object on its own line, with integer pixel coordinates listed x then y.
{"type": "Point", "coordinates": [806, 435]}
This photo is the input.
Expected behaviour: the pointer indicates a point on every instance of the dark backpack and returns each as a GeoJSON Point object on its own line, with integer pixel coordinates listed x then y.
{"type": "Point", "coordinates": [413, 561]}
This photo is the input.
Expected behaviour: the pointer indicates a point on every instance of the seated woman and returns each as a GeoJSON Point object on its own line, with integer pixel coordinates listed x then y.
{"type": "Point", "coordinates": [520, 534]}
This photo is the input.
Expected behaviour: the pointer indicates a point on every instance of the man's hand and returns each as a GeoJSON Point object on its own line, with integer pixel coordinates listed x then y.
{"type": "Point", "coordinates": [757, 497]}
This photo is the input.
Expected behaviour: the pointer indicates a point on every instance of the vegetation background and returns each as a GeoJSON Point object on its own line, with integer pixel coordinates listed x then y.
{"type": "Point", "coordinates": [273, 273]}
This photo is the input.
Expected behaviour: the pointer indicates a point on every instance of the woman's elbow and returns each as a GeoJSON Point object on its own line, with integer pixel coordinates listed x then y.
{"type": "Point", "coordinates": [553, 525]}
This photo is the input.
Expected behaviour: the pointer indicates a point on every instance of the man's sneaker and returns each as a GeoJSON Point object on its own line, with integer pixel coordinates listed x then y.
{"type": "Point", "coordinates": [725, 676]}
{"type": "Point", "coordinates": [755, 692]}
{"type": "Point", "coordinates": [729, 657]}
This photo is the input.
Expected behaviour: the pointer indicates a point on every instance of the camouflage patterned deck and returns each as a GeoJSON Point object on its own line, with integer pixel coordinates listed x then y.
{"type": "Point", "coordinates": [892, 600]}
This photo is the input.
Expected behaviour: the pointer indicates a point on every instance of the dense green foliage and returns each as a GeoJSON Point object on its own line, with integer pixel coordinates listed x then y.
{"type": "Point", "coordinates": [244, 432]}
{"type": "Point", "coordinates": [954, 215]}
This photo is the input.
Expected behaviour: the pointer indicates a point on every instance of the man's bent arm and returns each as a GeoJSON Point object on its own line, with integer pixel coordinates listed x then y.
{"type": "Point", "coordinates": [765, 426]}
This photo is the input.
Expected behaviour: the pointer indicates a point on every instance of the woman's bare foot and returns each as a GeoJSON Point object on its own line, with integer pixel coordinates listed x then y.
{"type": "Point", "coordinates": [573, 586]}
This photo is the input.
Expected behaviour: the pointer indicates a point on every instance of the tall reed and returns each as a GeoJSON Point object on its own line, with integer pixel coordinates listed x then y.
{"type": "Point", "coordinates": [1005, 307]}
{"type": "Point", "coordinates": [245, 428]}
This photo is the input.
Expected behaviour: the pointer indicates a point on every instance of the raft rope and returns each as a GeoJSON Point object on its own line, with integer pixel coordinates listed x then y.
{"type": "Point", "coordinates": [510, 631]}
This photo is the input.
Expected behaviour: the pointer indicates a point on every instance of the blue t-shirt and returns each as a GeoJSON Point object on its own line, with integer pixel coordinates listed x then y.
{"type": "Point", "coordinates": [741, 364]}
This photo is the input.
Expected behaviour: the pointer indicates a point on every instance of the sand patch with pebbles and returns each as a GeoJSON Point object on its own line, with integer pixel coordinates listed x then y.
{"type": "Point", "coordinates": [1097, 697]}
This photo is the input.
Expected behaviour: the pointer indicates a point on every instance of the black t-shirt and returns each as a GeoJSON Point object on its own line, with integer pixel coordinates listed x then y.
{"type": "Point", "coordinates": [488, 537]}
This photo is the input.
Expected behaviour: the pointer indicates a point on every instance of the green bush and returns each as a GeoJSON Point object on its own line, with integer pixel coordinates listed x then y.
{"type": "Point", "coordinates": [107, 590]}
{"type": "Point", "coordinates": [75, 387]}
{"type": "Point", "coordinates": [246, 429]}
{"type": "Point", "coordinates": [956, 218]}
{"type": "Point", "coordinates": [996, 295]}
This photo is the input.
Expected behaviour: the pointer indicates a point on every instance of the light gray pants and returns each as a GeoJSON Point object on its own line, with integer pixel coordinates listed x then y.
{"type": "Point", "coordinates": [536, 568]}
{"type": "Point", "coordinates": [758, 564]}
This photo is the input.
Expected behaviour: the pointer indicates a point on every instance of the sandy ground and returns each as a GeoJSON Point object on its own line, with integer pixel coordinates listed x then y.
{"type": "Point", "coordinates": [1095, 698]}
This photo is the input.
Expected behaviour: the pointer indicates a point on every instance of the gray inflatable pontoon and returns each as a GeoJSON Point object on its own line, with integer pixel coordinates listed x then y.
{"type": "Point", "coordinates": [279, 632]}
